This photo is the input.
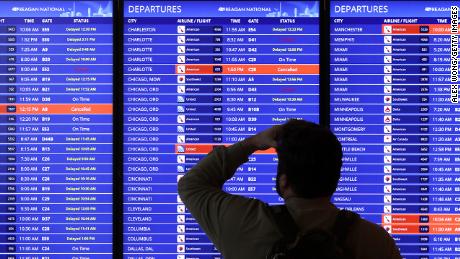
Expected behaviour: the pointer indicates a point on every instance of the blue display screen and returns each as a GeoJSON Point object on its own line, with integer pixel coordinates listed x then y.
{"type": "Point", "coordinates": [56, 129]}
{"type": "Point", "coordinates": [199, 74]}
{"type": "Point", "coordinates": [393, 108]}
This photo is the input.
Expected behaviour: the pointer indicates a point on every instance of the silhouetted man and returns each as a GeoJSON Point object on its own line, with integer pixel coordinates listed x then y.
{"type": "Point", "coordinates": [309, 162]}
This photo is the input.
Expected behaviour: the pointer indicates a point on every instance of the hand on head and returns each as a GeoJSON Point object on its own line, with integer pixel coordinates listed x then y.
{"type": "Point", "coordinates": [266, 139]}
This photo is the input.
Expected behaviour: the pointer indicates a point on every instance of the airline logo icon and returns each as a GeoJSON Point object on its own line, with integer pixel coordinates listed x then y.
{"type": "Point", "coordinates": [180, 238]}
{"type": "Point", "coordinates": [181, 79]}
{"type": "Point", "coordinates": [180, 248]}
{"type": "Point", "coordinates": [387, 209]}
{"type": "Point", "coordinates": [180, 159]}
{"type": "Point", "coordinates": [387, 39]}
{"type": "Point", "coordinates": [387, 159]}
{"type": "Point", "coordinates": [180, 118]}
{"type": "Point", "coordinates": [180, 208]}
{"type": "Point", "coordinates": [387, 149]}
{"type": "Point", "coordinates": [387, 219]}
{"type": "Point", "coordinates": [181, 89]}
{"type": "Point", "coordinates": [386, 59]}
{"type": "Point", "coordinates": [387, 29]}
{"type": "Point", "coordinates": [387, 139]}
{"type": "Point", "coordinates": [387, 119]}
{"type": "Point", "coordinates": [387, 109]}
{"type": "Point", "coordinates": [387, 198]}
{"type": "Point", "coordinates": [387, 188]}
{"type": "Point", "coordinates": [388, 229]}
{"type": "Point", "coordinates": [387, 69]}
{"type": "Point", "coordinates": [181, 39]}
{"type": "Point", "coordinates": [180, 229]}
{"type": "Point", "coordinates": [387, 179]}
{"type": "Point", "coordinates": [387, 79]}
{"type": "Point", "coordinates": [387, 169]}
{"type": "Point", "coordinates": [180, 129]}
{"type": "Point", "coordinates": [180, 218]}
{"type": "Point", "coordinates": [387, 89]}
{"type": "Point", "coordinates": [180, 138]}
{"type": "Point", "coordinates": [181, 59]}
{"type": "Point", "coordinates": [387, 129]}
{"type": "Point", "coordinates": [181, 69]}
{"type": "Point", "coordinates": [386, 49]}
{"type": "Point", "coordinates": [181, 29]}
{"type": "Point", "coordinates": [387, 99]}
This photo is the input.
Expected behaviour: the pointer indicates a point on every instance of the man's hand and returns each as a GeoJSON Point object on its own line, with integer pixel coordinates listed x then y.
{"type": "Point", "coordinates": [265, 139]}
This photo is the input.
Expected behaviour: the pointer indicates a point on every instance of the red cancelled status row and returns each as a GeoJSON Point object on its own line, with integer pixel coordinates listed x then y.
{"type": "Point", "coordinates": [416, 29]}
{"type": "Point", "coordinates": [56, 109]}
{"type": "Point", "coordinates": [206, 148]}
{"type": "Point", "coordinates": [248, 69]}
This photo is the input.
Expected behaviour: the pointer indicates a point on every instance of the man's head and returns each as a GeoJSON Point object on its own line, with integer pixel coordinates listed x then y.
{"type": "Point", "coordinates": [309, 160]}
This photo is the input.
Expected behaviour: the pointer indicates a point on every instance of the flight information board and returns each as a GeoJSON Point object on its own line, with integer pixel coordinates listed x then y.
{"type": "Point", "coordinates": [199, 74]}
{"type": "Point", "coordinates": [56, 129]}
{"type": "Point", "coordinates": [393, 108]}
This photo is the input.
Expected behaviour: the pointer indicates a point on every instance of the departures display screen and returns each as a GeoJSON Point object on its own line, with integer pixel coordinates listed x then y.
{"type": "Point", "coordinates": [56, 129]}
{"type": "Point", "coordinates": [395, 110]}
{"type": "Point", "coordinates": [199, 74]}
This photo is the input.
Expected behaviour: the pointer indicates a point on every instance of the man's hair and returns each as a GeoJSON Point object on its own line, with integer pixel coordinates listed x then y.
{"type": "Point", "coordinates": [311, 157]}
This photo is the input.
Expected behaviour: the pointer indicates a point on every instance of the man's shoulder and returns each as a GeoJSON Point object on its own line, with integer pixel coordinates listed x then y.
{"type": "Point", "coordinates": [368, 229]}
{"type": "Point", "coordinates": [248, 212]}
{"type": "Point", "coordinates": [369, 240]}
{"type": "Point", "coordinates": [248, 230]}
